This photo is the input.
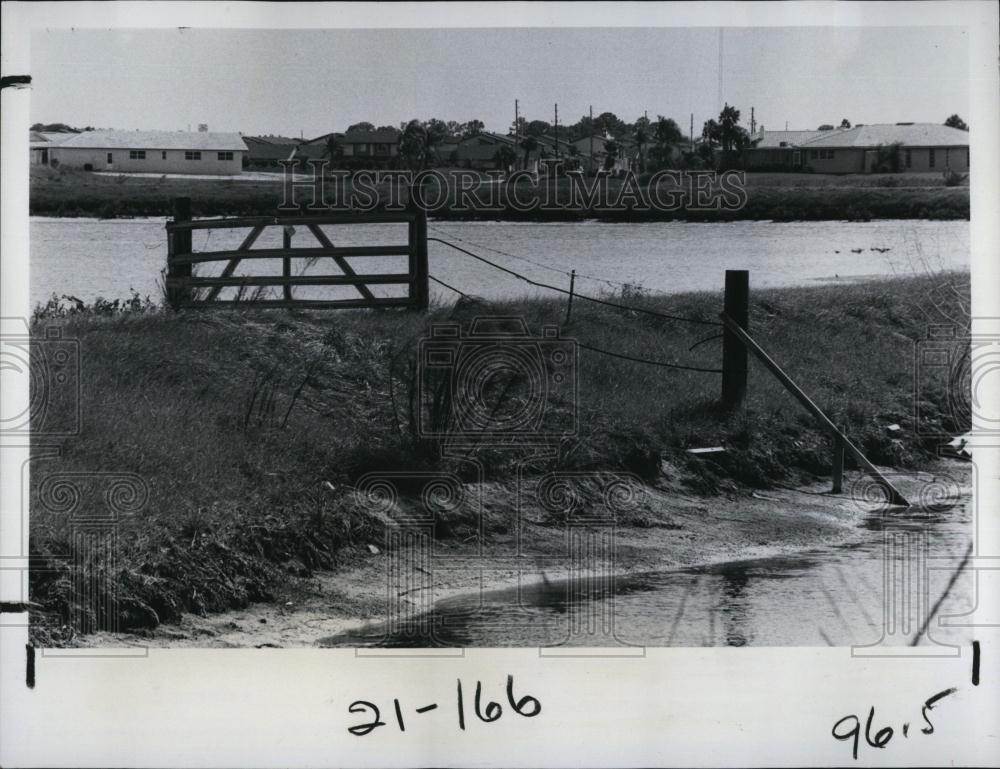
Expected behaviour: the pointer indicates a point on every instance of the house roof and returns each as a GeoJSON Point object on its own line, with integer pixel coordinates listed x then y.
{"type": "Point", "coordinates": [379, 136]}
{"type": "Point", "coordinates": [912, 134]}
{"type": "Point", "coordinates": [156, 140]}
{"type": "Point", "coordinates": [48, 138]}
{"type": "Point", "coordinates": [769, 139]}
{"type": "Point", "coordinates": [274, 140]}
{"type": "Point", "coordinates": [270, 147]}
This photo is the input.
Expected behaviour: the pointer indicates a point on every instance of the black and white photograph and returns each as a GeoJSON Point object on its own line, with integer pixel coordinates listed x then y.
{"type": "Point", "coordinates": [576, 338]}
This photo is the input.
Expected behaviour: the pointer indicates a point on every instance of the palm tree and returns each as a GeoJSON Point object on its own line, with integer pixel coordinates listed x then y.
{"type": "Point", "coordinates": [729, 120]}
{"type": "Point", "coordinates": [610, 154]}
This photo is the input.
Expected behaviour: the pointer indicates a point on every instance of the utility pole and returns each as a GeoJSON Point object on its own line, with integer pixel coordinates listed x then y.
{"type": "Point", "coordinates": [517, 130]}
{"type": "Point", "coordinates": [692, 132]}
{"type": "Point", "coordinates": [753, 123]}
{"type": "Point", "coordinates": [557, 131]}
{"type": "Point", "coordinates": [591, 162]}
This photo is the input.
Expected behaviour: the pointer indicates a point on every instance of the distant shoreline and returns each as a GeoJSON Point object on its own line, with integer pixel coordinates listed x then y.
{"type": "Point", "coordinates": [769, 197]}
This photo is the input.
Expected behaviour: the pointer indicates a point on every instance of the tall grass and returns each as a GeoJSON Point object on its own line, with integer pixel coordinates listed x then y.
{"type": "Point", "coordinates": [250, 427]}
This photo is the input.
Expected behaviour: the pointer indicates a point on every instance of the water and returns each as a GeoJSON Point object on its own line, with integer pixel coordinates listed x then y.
{"type": "Point", "coordinates": [87, 258]}
{"type": "Point", "coordinates": [826, 597]}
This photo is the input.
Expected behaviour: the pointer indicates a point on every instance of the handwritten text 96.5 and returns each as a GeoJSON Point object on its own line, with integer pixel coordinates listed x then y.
{"type": "Point", "coordinates": [487, 712]}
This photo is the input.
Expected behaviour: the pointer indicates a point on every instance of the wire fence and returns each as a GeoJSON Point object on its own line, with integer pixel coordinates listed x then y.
{"type": "Point", "coordinates": [596, 300]}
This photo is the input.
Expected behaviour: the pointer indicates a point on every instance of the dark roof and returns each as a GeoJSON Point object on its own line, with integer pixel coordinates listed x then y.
{"type": "Point", "coordinates": [380, 136]}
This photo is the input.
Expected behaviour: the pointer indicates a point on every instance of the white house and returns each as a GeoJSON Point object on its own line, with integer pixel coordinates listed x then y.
{"type": "Point", "coordinates": [160, 152]}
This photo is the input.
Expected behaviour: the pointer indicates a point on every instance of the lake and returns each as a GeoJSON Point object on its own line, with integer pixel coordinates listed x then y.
{"type": "Point", "coordinates": [88, 258]}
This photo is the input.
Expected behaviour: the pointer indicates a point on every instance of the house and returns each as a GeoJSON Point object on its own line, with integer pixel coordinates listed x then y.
{"type": "Point", "coordinates": [372, 149]}
{"type": "Point", "coordinates": [879, 148]}
{"type": "Point", "coordinates": [480, 151]}
{"type": "Point", "coordinates": [626, 150]}
{"type": "Point", "coordinates": [159, 152]}
{"type": "Point", "coordinates": [777, 150]}
{"type": "Point", "coordinates": [267, 151]}
{"type": "Point", "coordinates": [42, 143]}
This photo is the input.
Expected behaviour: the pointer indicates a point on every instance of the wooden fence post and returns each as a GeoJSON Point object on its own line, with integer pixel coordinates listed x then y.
{"type": "Point", "coordinates": [569, 303]}
{"type": "Point", "coordinates": [286, 262]}
{"type": "Point", "coordinates": [419, 269]}
{"type": "Point", "coordinates": [179, 243]}
{"type": "Point", "coordinates": [734, 352]}
{"type": "Point", "coordinates": [838, 465]}
{"type": "Point", "coordinates": [423, 269]}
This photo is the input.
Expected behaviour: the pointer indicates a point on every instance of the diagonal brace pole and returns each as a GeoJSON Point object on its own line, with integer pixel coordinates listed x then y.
{"type": "Point", "coordinates": [895, 498]}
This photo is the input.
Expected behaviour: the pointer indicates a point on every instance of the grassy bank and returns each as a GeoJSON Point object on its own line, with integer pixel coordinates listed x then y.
{"type": "Point", "coordinates": [250, 428]}
{"type": "Point", "coordinates": [780, 197]}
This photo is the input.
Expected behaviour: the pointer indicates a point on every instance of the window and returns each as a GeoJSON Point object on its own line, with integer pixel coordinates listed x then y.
{"type": "Point", "coordinates": [813, 154]}
{"type": "Point", "coordinates": [111, 158]}
{"type": "Point", "coordinates": [909, 158]}
{"type": "Point", "coordinates": [796, 158]}
{"type": "Point", "coordinates": [930, 158]}
{"type": "Point", "coordinates": [137, 154]}
{"type": "Point", "coordinates": [163, 155]}
{"type": "Point", "coordinates": [190, 155]}
{"type": "Point", "coordinates": [225, 156]}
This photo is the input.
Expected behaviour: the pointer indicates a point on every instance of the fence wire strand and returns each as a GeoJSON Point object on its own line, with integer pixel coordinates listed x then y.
{"type": "Point", "coordinates": [585, 297]}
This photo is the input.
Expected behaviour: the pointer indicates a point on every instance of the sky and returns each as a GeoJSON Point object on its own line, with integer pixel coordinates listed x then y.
{"type": "Point", "coordinates": [310, 82]}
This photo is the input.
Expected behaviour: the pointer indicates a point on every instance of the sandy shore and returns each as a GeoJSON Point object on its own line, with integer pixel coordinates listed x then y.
{"type": "Point", "coordinates": [687, 530]}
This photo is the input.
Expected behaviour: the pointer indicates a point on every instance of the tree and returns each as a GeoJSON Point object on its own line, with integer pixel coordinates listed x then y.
{"type": "Point", "coordinates": [845, 123]}
{"type": "Point", "coordinates": [825, 127]}
{"type": "Point", "coordinates": [956, 122]}
{"type": "Point", "coordinates": [610, 154]}
{"type": "Point", "coordinates": [729, 128]}
{"type": "Point", "coordinates": [435, 132]}
{"type": "Point", "coordinates": [666, 133]}
{"type": "Point", "coordinates": [413, 145]}
{"type": "Point", "coordinates": [362, 126]}
{"type": "Point", "coordinates": [537, 128]}
{"type": "Point", "coordinates": [505, 157]}
{"type": "Point", "coordinates": [711, 134]}
{"type": "Point", "coordinates": [472, 128]}
{"type": "Point", "coordinates": [334, 150]}
{"type": "Point", "coordinates": [641, 136]}
{"type": "Point", "coordinates": [529, 144]}
{"type": "Point", "coordinates": [609, 123]}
